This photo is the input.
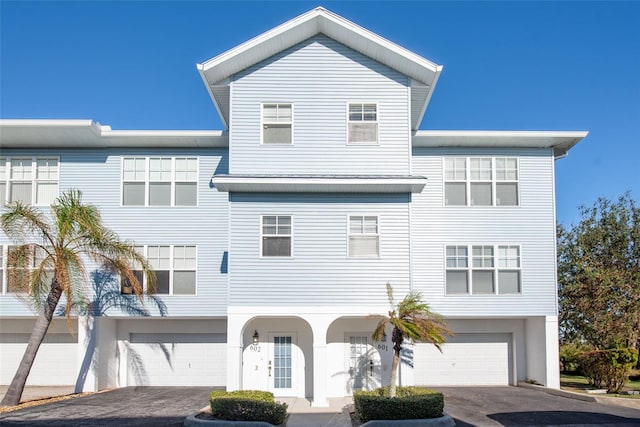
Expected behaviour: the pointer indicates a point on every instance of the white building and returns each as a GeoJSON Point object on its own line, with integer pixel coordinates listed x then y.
{"type": "Point", "coordinates": [274, 238]}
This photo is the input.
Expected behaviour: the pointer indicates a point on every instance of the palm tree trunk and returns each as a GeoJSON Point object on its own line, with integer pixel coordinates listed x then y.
{"type": "Point", "coordinates": [394, 372]}
{"type": "Point", "coordinates": [14, 393]}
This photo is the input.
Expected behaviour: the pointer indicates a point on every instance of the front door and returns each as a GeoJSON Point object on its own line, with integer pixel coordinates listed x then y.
{"type": "Point", "coordinates": [360, 364]}
{"type": "Point", "coordinates": [282, 364]}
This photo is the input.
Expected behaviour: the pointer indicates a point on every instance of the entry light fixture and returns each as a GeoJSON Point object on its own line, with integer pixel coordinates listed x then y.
{"type": "Point", "coordinates": [256, 337]}
{"type": "Point", "coordinates": [384, 336]}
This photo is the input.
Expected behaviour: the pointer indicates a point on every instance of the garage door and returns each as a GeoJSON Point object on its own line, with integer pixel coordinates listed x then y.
{"type": "Point", "coordinates": [56, 362]}
{"type": "Point", "coordinates": [177, 359]}
{"type": "Point", "coordinates": [466, 359]}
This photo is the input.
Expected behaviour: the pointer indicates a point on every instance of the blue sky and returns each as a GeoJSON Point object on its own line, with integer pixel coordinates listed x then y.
{"type": "Point", "coordinates": [507, 66]}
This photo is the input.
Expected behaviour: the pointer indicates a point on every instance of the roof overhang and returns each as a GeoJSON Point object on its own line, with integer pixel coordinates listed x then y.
{"type": "Point", "coordinates": [423, 73]}
{"type": "Point", "coordinates": [90, 134]}
{"type": "Point", "coordinates": [318, 184]}
{"type": "Point", "coordinates": [560, 141]}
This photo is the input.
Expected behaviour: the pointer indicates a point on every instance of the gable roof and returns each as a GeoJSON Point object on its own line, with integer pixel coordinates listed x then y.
{"type": "Point", "coordinates": [217, 71]}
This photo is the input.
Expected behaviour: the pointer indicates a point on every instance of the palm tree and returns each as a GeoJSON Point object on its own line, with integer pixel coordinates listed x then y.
{"type": "Point", "coordinates": [411, 319]}
{"type": "Point", "coordinates": [57, 246]}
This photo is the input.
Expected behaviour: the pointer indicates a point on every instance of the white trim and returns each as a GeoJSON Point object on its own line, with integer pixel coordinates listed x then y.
{"type": "Point", "coordinates": [262, 123]}
{"type": "Point", "coordinates": [377, 123]}
{"type": "Point", "coordinates": [314, 184]}
{"type": "Point", "coordinates": [8, 180]}
{"type": "Point", "coordinates": [261, 255]}
{"type": "Point", "coordinates": [363, 234]}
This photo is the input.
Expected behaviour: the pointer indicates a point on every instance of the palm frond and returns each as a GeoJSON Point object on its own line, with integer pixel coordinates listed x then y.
{"type": "Point", "coordinates": [23, 223]}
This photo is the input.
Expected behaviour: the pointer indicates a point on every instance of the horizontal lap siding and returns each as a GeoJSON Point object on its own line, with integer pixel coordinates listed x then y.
{"type": "Point", "coordinates": [97, 173]}
{"type": "Point", "coordinates": [531, 225]}
{"type": "Point", "coordinates": [320, 272]}
{"type": "Point", "coordinates": [319, 77]}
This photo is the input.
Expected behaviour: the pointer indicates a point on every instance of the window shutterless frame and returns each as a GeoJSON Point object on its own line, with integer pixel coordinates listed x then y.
{"type": "Point", "coordinates": [31, 179]}
{"type": "Point", "coordinates": [159, 181]}
{"type": "Point", "coordinates": [276, 229]}
{"type": "Point", "coordinates": [363, 230]}
{"type": "Point", "coordinates": [275, 119]}
{"type": "Point", "coordinates": [362, 123]}
{"type": "Point", "coordinates": [470, 266]}
{"type": "Point", "coordinates": [481, 181]}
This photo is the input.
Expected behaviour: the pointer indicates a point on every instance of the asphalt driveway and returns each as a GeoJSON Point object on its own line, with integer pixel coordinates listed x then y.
{"type": "Point", "coordinates": [469, 406]}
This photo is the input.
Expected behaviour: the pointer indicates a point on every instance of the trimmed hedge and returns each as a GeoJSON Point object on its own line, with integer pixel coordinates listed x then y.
{"type": "Point", "coordinates": [247, 405]}
{"type": "Point", "coordinates": [410, 403]}
{"type": "Point", "coordinates": [609, 368]}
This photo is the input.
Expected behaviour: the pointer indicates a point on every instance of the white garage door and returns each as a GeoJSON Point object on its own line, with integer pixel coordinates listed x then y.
{"type": "Point", "coordinates": [466, 359]}
{"type": "Point", "coordinates": [56, 362]}
{"type": "Point", "coordinates": [177, 359]}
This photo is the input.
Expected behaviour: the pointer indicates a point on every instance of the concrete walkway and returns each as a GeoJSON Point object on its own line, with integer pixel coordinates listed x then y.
{"type": "Point", "coordinates": [32, 392]}
{"type": "Point", "coordinates": [303, 415]}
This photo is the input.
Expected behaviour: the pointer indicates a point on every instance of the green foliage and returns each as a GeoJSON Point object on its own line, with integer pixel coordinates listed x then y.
{"type": "Point", "coordinates": [411, 319]}
{"type": "Point", "coordinates": [609, 368]}
{"type": "Point", "coordinates": [570, 357]}
{"type": "Point", "coordinates": [247, 405]}
{"type": "Point", "coordinates": [410, 403]}
{"type": "Point", "coordinates": [599, 275]}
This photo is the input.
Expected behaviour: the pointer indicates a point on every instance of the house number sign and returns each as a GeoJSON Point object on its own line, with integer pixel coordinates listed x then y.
{"type": "Point", "coordinates": [255, 347]}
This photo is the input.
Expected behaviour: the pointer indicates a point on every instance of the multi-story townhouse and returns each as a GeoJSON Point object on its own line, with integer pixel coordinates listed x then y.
{"type": "Point", "coordinates": [273, 240]}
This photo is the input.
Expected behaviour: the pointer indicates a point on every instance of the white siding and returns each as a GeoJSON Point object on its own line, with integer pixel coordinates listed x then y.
{"type": "Point", "coordinates": [319, 77]}
{"type": "Point", "coordinates": [530, 225]}
{"type": "Point", "coordinates": [319, 272]}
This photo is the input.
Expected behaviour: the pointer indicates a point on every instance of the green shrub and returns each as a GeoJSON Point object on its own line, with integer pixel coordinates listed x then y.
{"type": "Point", "coordinates": [570, 357]}
{"type": "Point", "coordinates": [609, 368]}
{"type": "Point", "coordinates": [247, 405]}
{"type": "Point", "coordinates": [409, 403]}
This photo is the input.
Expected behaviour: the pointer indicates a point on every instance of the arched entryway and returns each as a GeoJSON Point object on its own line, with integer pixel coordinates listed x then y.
{"type": "Point", "coordinates": [277, 356]}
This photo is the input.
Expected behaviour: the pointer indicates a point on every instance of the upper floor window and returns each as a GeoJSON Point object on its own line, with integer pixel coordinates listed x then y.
{"type": "Point", "coordinates": [481, 181]}
{"type": "Point", "coordinates": [363, 123]}
{"type": "Point", "coordinates": [483, 275]}
{"type": "Point", "coordinates": [32, 180]}
{"type": "Point", "coordinates": [17, 265]}
{"type": "Point", "coordinates": [364, 237]}
{"type": "Point", "coordinates": [276, 123]}
{"type": "Point", "coordinates": [159, 181]}
{"type": "Point", "coordinates": [276, 236]}
{"type": "Point", "coordinates": [174, 267]}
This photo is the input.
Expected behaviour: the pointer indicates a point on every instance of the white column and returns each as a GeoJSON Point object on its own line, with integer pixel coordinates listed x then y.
{"type": "Point", "coordinates": [319, 325]}
{"type": "Point", "coordinates": [552, 356]}
{"type": "Point", "coordinates": [87, 354]}
{"type": "Point", "coordinates": [235, 325]}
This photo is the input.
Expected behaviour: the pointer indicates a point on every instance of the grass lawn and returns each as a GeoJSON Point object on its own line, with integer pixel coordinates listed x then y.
{"type": "Point", "coordinates": [580, 383]}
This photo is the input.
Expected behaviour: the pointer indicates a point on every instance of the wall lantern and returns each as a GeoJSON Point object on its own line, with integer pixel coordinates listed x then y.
{"type": "Point", "coordinates": [384, 336]}
{"type": "Point", "coordinates": [256, 337]}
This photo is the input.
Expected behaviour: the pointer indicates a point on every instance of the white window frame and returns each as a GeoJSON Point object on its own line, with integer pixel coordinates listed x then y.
{"type": "Point", "coordinates": [363, 234]}
{"type": "Point", "coordinates": [376, 122]}
{"type": "Point", "coordinates": [4, 270]}
{"type": "Point", "coordinates": [494, 181]}
{"type": "Point", "coordinates": [496, 269]}
{"type": "Point", "coordinates": [264, 123]}
{"type": "Point", "coordinates": [145, 252]}
{"type": "Point", "coordinates": [290, 235]}
{"type": "Point", "coordinates": [7, 180]}
{"type": "Point", "coordinates": [147, 180]}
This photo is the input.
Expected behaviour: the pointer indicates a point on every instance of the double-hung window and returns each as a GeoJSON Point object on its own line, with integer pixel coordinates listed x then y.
{"type": "Point", "coordinates": [159, 181]}
{"type": "Point", "coordinates": [32, 180]}
{"type": "Point", "coordinates": [364, 236]}
{"type": "Point", "coordinates": [363, 123]}
{"type": "Point", "coordinates": [174, 267]}
{"type": "Point", "coordinates": [22, 261]}
{"type": "Point", "coordinates": [483, 275]}
{"type": "Point", "coordinates": [481, 181]}
{"type": "Point", "coordinates": [276, 236]}
{"type": "Point", "coordinates": [277, 120]}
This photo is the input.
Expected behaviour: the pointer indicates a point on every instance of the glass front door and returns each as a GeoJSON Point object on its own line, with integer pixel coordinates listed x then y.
{"type": "Point", "coordinates": [359, 362]}
{"type": "Point", "coordinates": [282, 364]}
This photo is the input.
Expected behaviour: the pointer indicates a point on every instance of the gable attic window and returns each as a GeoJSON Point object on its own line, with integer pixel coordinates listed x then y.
{"type": "Point", "coordinates": [363, 123]}
{"type": "Point", "coordinates": [276, 123]}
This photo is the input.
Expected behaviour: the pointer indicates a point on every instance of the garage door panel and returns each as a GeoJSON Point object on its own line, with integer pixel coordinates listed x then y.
{"type": "Point", "coordinates": [56, 362]}
{"type": "Point", "coordinates": [470, 359]}
{"type": "Point", "coordinates": [177, 359]}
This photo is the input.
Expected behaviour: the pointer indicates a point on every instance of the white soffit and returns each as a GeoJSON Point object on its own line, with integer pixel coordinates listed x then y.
{"type": "Point", "coordinates": [318, 184]}
{"type": "Point", "coordinates": [560, 141]}
{"type": "Point", "coordinates": [319, 20]}
{"type": "Point", "coordinates": [20, 133]}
